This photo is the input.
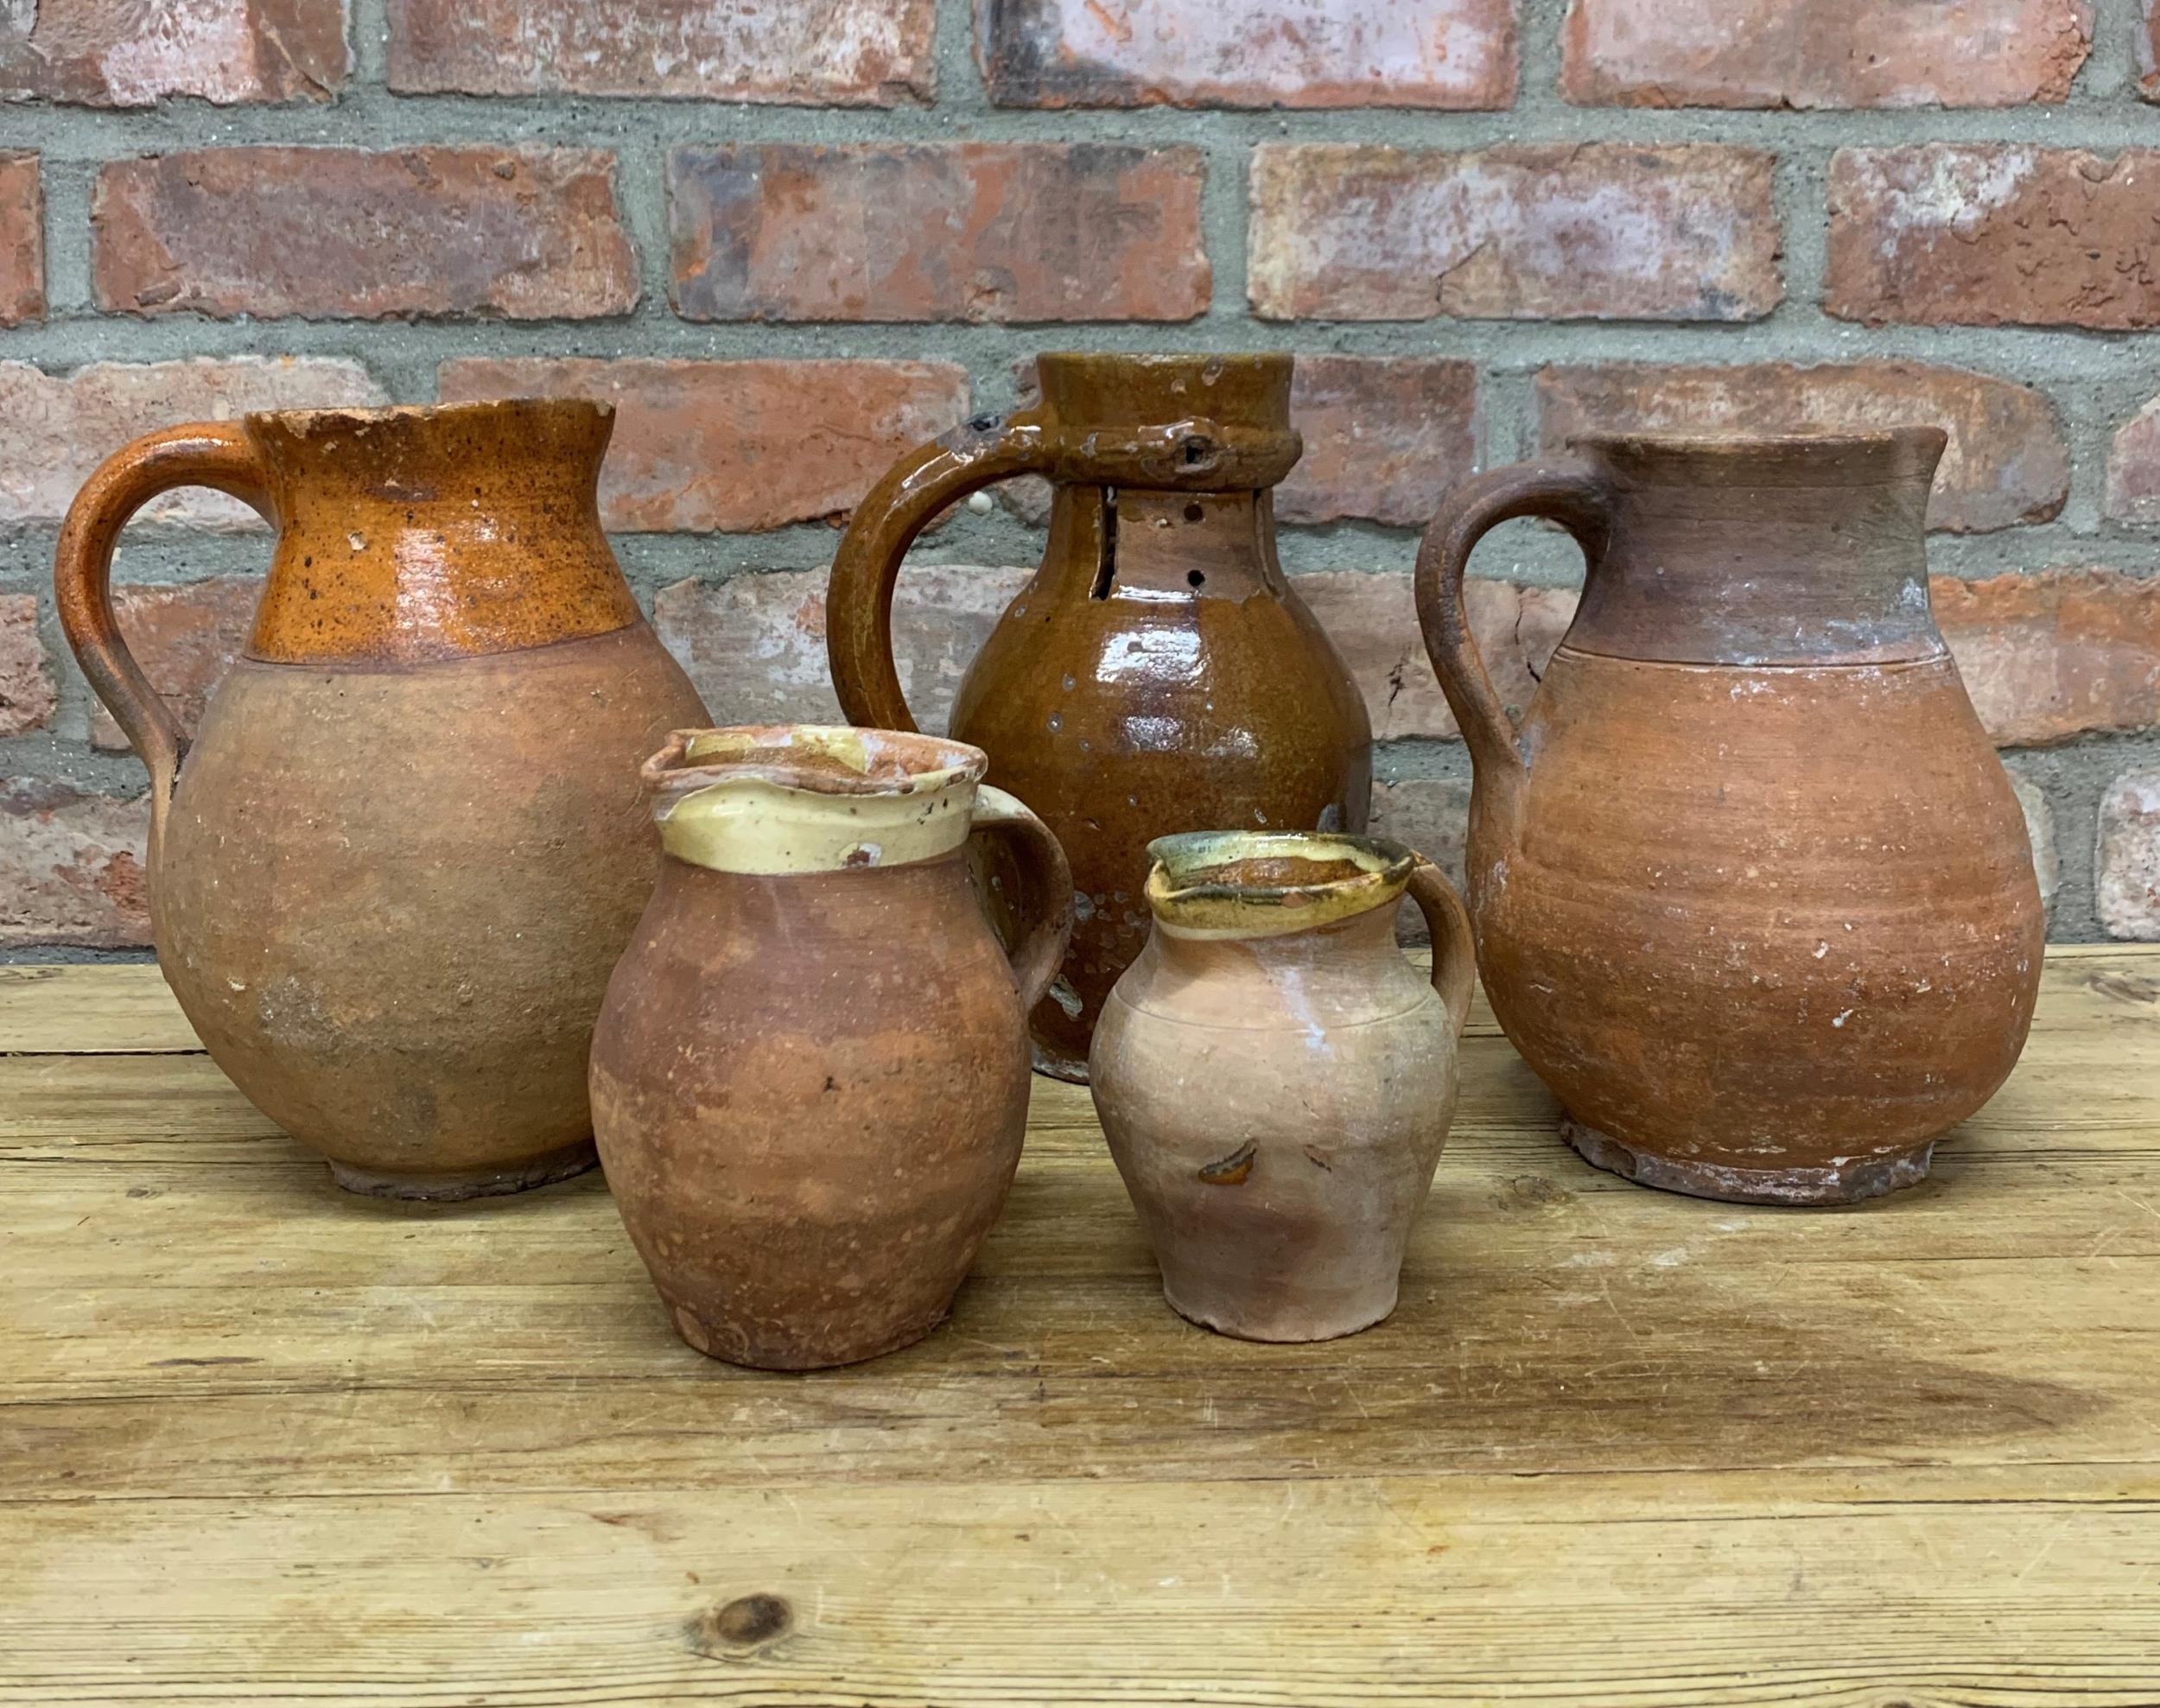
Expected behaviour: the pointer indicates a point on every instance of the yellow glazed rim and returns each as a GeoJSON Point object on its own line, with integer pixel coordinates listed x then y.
{"type": "Point", "coordinates": [1195, 890]}
{"type": "Point", "coordinates": [775, 798]}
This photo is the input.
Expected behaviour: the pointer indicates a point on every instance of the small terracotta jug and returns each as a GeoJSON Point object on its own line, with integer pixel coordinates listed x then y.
{"type": "Point", "coordinates": [390, 874]}
{"type": "Point", "coordinates": [1752, 893]}
{"type": "Point", "coordinates": [1275, 1080]}
{"type": "Point", "coordinates": [1159, 673]}
{"type": "Point", "coordinates": [810, 1076]}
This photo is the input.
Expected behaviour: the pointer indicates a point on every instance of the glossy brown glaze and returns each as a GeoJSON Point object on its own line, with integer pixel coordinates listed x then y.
{"type": "Point", "coordinates": [1752, 893]}
{"type": "Point", "coordinates": [810, 1079]}
{"type": "Point", "coordinates": [1158, 674]}
{"type": "Point", "coordinates": [391, 872]}
{"type": "Point", "coordinates": [1275, 1080]}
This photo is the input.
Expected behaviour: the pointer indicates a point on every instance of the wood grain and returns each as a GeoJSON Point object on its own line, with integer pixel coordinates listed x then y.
{"type": "Point", "coordinates": [261, 1442]}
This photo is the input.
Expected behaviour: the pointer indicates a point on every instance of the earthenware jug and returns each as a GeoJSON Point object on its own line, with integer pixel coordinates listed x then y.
{"type": "Point", "coordinates": [1752, 893]}
{"type": "Point", "coordinates": [1275, 1080]}
{"type": "Point", "coordinates": [810, 1076]}
{"type": "Point", "coordinates": [1159, 673]}
{"type": "Point", "coordinates": [390, 871]}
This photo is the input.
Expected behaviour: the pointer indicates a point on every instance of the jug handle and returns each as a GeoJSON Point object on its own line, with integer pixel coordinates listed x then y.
{"type": "Point", "coordinates": [1046, 909]}
{"type": "Point", "coordinates": [859, 597]}
{"type": "Point", "coordinates": [1567, 492]}
{"type": "Point", "coordinates": [1454, 950]}
{"type": "Point", "coordinates": [217, 454]}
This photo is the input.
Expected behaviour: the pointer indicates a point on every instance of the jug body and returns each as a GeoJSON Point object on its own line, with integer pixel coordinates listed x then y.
{"type": "Point", "coordinates": [1159, 673]}
{"type": "Point", "coordinates": [390, 871]}
{"type": "Point", "coordinates": [1752, 892]}
{"type": "Point", "coordinates": [809, 1079]}
{"type": "Point", "coordinates": [1275, 1080]}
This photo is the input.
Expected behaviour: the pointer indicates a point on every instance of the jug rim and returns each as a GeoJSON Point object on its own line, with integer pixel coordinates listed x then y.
{"type": "Point", "coordinates": [774, 799]}
{"type": "Point", "coordinates": [1909, 448]}
{"type": "Point", "coordinates": [1189, 894]}
{"type": "Point", "coordinates": [814, 760]}
{"type": "Point", "coordinates": [375, 415]}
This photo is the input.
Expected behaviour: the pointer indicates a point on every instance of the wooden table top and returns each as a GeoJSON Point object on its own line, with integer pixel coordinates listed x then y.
{"type": "Point", "coordinates": [263, 1442]}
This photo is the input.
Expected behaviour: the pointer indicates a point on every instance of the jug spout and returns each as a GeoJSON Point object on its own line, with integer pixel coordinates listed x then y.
{"type": "Point", "coordinates": [1729, 549]}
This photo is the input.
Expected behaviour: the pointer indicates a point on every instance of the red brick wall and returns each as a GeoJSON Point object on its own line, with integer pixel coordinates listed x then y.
{"type": "Point", "coordinates": [789, 240]}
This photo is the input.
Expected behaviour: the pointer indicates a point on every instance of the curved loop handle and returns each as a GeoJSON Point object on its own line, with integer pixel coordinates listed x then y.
{"type": "Point", "coordinates": [1042, 918]}
{"type": "Point", "coordinates": [1454, 950]}
{"type": "Point", "coordinates": [1566, 492]}
{"type": "Point", "coordinates": [859, 597]}
{"type": "Point", "coordinates": [219, 454]}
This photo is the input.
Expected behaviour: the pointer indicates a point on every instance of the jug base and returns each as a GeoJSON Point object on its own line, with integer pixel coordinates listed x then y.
{"type": "Point", "coordinates": [1845, 1184]}
{"type": "Point", "coordinates": [731, 1346]}
{"type": "Point", "coordinates": [1073, 1073]}
{"type": "Point", "coordinates": [1290, 1329]}
{"type": "Point", "coordinates": [485, 1182]}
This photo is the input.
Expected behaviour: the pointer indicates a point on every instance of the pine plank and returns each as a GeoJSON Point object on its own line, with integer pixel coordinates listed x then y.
{"type": "Point", "coordinates": [101, 1008]}
{"type": "Point", "coordinates": [260, 1441]}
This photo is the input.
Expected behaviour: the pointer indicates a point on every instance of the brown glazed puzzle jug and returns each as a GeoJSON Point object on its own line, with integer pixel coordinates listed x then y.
{"type": "Point", "coordinates": [1752, 893]}
{"type": "Point", "coordinates": [810, 1078]}
{"type": "Point", "coordinates": [1158, 674]}
{"type": "Point", "coordinates": [390, 874]}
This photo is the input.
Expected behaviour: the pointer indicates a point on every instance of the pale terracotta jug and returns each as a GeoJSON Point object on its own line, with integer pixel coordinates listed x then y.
{"type": "Point", "coordinates": [1275, 1079]}
{"type": "Point", "coordinates": [390, 874]}
{"type": "Point", "coordinates": [1752, 893]}
{"type": "Point", "coordinates": [810, 1077]}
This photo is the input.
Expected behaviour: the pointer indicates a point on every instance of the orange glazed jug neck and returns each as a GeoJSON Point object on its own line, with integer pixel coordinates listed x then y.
{"type": "Point", "coordinates": [412, 534]}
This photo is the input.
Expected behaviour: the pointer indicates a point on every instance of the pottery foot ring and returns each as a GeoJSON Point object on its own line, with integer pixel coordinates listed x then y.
{"type": "Point", "coordinates": [1845, 1183]}
{"type": "Point", "coordinates": [485, 1182]}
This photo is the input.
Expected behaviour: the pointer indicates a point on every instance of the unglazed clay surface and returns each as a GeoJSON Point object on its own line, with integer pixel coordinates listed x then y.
{"type": "Point", "coordinates": [1753, 894]}
{"type": "Point", "coordinates": [1275, 1080]}
{"type": "Point", "coordinates": [407, 844]}
{"type": "Point", "coordinates": [1158, 674]}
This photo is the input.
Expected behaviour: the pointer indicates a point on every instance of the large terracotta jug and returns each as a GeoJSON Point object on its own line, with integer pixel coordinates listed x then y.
{"type": "Point", "coordinates": [1158, 674]}
{"type": "Point", "coordinates": [1275, 1080]}
{"type": "Point", "coordinates": [390, 874]}
{"type": "Point", "coordinates": [811, 1075]}
{"type": "Point", "coordinates": [1752, 893]}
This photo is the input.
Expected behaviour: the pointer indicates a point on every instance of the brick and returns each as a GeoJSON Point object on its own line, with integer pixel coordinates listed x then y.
{"type": "Point", "coordinates": [2007, 460]}
{"type": "Point", "coordinates": [345, 233]}
{"type": "Point", "coordinates": [2133, 468]}
{"type": "Point", "coordinates": [2126, 862]}
{"type": "Point", "coordinates": [821, 52]}
{"type": "Point", "coordinates": [1351, 231]}
{"type": "Point", "coordinates": [986, 232]}
{"type": "Point", "coordinates": [1372, 618]}
{"type": "Point", "coordinates": [21, 240]}
{"type": "Point", "coordinates": [1431, 815]}
{"type": "Point", "coordinates": [1248, 53]}
{"type": "Point", "coordinates": [1823, 54]}
{"type": "Point", "coordinates": [72, 867]}
{"type": "Point", "coordinates": [129, 54]}
{"type": "Point", "coordinates": [26, 679]}
{"type": "Point", "coordinates": [1982, 234]}
{"type": "Point", "coordinates": [737, 446]}
{"type": "Point", "coordinates": [2047, 858]}
{"type": "Point", "coordinates": [2056, 653]}
{"type": "Point", "coordinates": [1384, 437]}
{"type": "Point", "coordinates": [755, 643]}
{"type": "Point", "coordinates": [55, 431]}
{"type": "Point", "coordinates": [185, 635]}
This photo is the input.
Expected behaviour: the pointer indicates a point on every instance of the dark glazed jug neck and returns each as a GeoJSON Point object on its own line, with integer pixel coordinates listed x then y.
{"type": "Point", "coordinates": [1198, 443]}
{"type": "Point", "coordinates": [1764, 551]}
{"type": "Point", "coordinates": [407, 534]}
